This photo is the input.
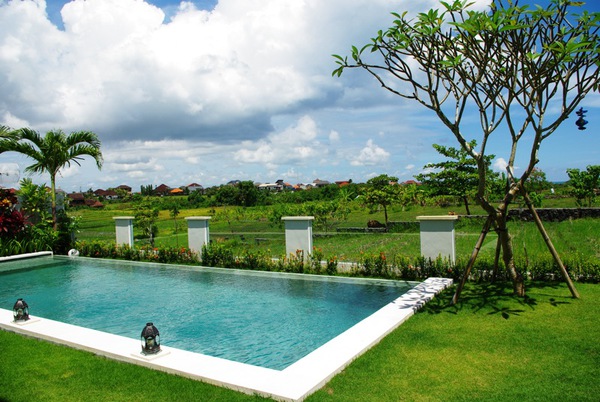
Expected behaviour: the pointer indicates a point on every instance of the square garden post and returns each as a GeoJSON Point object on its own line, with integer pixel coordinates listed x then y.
{"type": "Point", "coordinates": [437, 237]}
{"type": "Point", "coordinates": [124, 230]}
{"type": "Point", "coordinates": [198, 232]}
{"type": "Point", "coordinates": [298, 234]}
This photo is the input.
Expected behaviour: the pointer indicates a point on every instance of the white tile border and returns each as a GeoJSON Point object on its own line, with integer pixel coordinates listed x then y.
{"type": "Point", "coordinates": [294, 383]}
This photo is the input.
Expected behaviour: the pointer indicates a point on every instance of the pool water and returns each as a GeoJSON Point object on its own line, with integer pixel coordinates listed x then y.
{"type": "Point", "coordinates": [264, 319]}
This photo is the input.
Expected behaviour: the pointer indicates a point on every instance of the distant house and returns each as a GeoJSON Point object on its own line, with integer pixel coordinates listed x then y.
{"type": "Point", "coordinates": [279, 185]}
{"type": "Point", "coordinates": [233, 182]}
{"type": "Point", "coordinates": [76, 199]}
{"type": "Point", "coordinates": [176, 191]}
{"type": "Point", "coordinates": [320, 183]}
{"type": "Point", "coordinates": [408, 182]}
{"type": "Point", "coordinates": [303, 186]}
{"type": "Point", "coordinates": [163, 189]}
{"type": "Point", "coordinates": [343, 183]}
{"type": "Point", "coordinates": [95, 204]}
{"type": "Point", "coordinates": [269, 186]}
{"type": "Point", "coordinates": [124, 187]}
{"type": "Point", "coordinates": [194, 187]}
{"type": "Point", "coordinates": [107, 194]}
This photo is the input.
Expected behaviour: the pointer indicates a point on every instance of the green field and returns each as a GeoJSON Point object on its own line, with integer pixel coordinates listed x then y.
{"type": "Point", "coordinates": [249, 228]}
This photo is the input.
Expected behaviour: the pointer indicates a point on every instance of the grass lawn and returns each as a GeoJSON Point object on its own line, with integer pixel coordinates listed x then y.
{"type": "Point", "coordinates": [491, 347]}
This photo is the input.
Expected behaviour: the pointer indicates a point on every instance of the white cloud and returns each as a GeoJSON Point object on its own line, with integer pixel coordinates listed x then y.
{"type": "Point", "coordinates": [296, 143]}
{"type": "Point", "coordinates": [334, 136]}
{"type": "Point", "coordinates": [370, 155]}
{"type": "Point", "coordinates": [183, 94]}
{"type": "Point", "coordinates": [500, 165]}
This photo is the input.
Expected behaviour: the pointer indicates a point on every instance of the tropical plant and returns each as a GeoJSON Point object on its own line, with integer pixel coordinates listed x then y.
{"type": "Point", "coordinates": [520, 68]}
{"type": "Point", "coordinates": [584, 184]}
{"type": "Point", "coordinates": [146, 216]}
{"type": "Point", "coordinates": [53, 152]}
{"type": "Point", "coordinates": [457, 177]}
{"type": "Point", "coordinates": [382, 190]}
{"type": "Point", "coordinates": [12, 221]}
{"type": "Point", "coordinates": [35, 201]}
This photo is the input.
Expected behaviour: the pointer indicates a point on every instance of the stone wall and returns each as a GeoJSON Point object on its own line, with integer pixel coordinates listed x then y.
{"type": "Point", "coordinates": [554, 214]}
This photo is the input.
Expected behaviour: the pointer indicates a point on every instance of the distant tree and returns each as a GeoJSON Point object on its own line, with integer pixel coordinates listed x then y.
{"type": "Point", "coordinates": [584, 184]}
{"type": "Point", "coordinates": [123, 194]}
{"type": "Point", "coordinates": [196, 198]}
{"type": "Point", "coordinates": [537, 181]}
{"type": "Point", "coordinates": [227, 195]}
{"type": "Point", "coordinates": [457, 177]}
{"type": "Point", "coordinates": [146, 215]}
{"type": "Point", "coordinates": [412, 194]}
{"type": "Point", "coordinates": [146, 190]}
{"type": "Point", "coordinates": [174, 212]}
{"type": "Point", "coordinates": [382, 190]}
{"type": "Point", "coordinates": [247, 194]}
{"type": "Point", "coordinates": [524, 69]}
{"type": "Point", "coordinates": [327, 214]}
{"type": "Point", "coordinates": [53, 152]}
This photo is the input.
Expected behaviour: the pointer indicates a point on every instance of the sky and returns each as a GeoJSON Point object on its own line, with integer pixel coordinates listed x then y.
{"type": "Point", "coordinates": [210, 91]}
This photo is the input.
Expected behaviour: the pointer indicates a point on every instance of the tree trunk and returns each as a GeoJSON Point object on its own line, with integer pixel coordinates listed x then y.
{"type": "Point", "coordinates": [508, 257]}
{"type": "Point", "coordinates": [484, 231]}
{"type": "Point", "coordinates": [53, 201]}
{"type": "Point", "coordinates": [549, 244]}
{"type": "Point", "coordinates": [496, 260]}
{"type": "Point", "coordinates": [466, 201]}
{"type": "Point", "coordinates": [386, 215]}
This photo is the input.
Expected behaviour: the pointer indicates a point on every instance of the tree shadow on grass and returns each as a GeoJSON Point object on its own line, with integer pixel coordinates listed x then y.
{"type": "Point", "coordinates": [489, 298]}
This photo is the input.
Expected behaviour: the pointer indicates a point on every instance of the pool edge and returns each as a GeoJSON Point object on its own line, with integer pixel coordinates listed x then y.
{"type": "Point", "coordinates": [294, 383]}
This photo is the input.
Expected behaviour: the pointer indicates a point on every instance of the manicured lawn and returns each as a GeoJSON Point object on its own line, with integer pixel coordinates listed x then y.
{"type": "Point", "coordinates": [491, 347]}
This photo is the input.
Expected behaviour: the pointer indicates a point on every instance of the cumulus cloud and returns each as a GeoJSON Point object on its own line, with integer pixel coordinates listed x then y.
{"type": "Point", "coordinates": [371, 154]}
{"type": "Point", "coordinates": [241, 90]}
{"type": "Point", "coordinates": [297, 143]}
{"type": "Point", "coordinates": [500, 164]}
{"type": "Point", "coordinates": [125, 70]}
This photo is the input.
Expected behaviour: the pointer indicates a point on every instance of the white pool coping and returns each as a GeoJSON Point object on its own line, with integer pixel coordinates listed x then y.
{"type": "Point", "coordinates": [294, 383]}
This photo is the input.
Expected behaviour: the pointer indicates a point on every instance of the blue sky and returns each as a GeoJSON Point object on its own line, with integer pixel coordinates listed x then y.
{"type": "Point", "coordinates": [210, 91]}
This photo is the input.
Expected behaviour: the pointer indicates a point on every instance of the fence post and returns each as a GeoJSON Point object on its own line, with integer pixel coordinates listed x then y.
{"type": "Point", "coordinates": [437, 236]}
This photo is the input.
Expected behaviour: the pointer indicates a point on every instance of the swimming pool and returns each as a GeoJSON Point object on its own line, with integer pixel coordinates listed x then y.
{"type": "Point", "coordinates": [264, 319]}
{"type": "Point", "coordinates": [293, 383]}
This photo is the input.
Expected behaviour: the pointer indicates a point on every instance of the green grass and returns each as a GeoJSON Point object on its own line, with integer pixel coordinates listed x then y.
{"type": "Point", "coordinates": [491, 347]}
{"type": "Point", "coordinates": [246, 225]}
{"type": "Point", "coordinates": [33, 370]}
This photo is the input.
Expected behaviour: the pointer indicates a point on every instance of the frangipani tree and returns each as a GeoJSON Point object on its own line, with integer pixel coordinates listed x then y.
{"type": "Point", "coordinates": [513, 65]}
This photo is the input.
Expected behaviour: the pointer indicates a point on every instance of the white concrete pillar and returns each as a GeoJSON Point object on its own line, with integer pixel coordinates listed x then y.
{"type": "Point", "coordinates": [198, 232]}
{"type": "Point", "coordinates": [124, 230]}
{"type": "Point", "coordinates": [437, 236]}
{"type": "Point", "coordinates": [298, 234]}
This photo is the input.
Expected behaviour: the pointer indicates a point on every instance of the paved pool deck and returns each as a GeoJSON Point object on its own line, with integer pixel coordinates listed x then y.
{"type": "Point", "coordinates": [294, 383]}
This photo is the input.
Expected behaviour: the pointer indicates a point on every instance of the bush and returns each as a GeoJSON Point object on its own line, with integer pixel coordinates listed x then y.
{"type": "Point", "coordinates": [580, 268]}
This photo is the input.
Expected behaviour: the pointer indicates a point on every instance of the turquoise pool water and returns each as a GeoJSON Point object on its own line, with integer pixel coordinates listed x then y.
{"type": "Point", "coordinates": [264, 319]}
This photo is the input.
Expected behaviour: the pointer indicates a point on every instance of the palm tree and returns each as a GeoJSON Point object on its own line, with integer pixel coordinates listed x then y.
{"type": "Point", "coordinates": [53, 152]}
{"type": "Point", "coordinates": [6, 132]}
